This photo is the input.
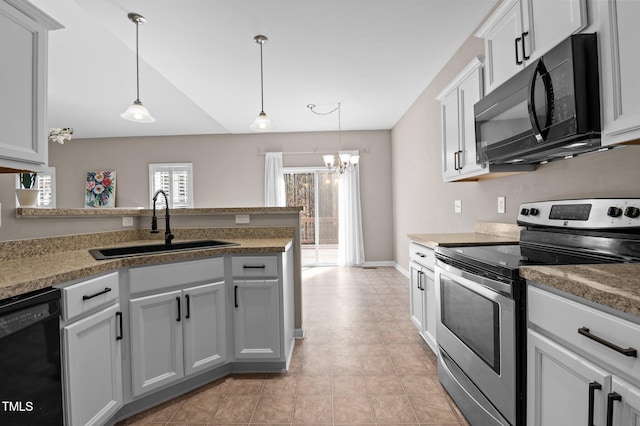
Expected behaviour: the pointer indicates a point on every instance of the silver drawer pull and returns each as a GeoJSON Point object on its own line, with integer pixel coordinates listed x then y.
{"type": "Point", "coordinates": [626, 352]}
{"type": "Point", "coordinates": [91, 296]}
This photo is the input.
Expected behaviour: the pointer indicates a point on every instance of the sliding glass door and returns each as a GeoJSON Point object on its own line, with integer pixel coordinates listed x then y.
{"type": "Point", "coordinates": [316, 191]}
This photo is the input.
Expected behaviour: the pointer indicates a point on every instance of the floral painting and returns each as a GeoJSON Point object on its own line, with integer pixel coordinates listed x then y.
{"type": "Point", "coordinates": [101, 189]}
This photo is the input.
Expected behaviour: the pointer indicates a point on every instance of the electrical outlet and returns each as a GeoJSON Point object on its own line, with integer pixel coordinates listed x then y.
{"type": "Point", "coordinates": [457, 206]}
{"type": "Point", "coordinates": [501, 204]}
{"type": "Point", "coordinates": [242, 219]}
{"type": "Point", "coordinates": [127, 221]}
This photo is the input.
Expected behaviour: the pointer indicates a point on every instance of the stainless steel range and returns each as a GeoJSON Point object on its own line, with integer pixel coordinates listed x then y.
{"type": "Point", "coordinates": [481, 329]}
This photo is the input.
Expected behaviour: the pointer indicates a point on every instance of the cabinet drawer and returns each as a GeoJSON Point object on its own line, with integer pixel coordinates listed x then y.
{"type": "Point", "coordinates": [89, 294]}
{"type": "Point", "coordinates": [563, 318]}
{"type": "Point", "coordinates": [254, 266]}
{"type": "Point", "coordinates": [158, 277]}
{"type": "Point", "coordinates": [422, 255]}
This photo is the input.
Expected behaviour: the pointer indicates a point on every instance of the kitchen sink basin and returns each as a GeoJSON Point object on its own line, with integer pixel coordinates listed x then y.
{"type": "Point", "coordinates": [128, 251]}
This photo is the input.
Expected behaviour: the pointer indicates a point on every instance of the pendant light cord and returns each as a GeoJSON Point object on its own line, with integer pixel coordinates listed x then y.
{"type": "Point", "coordinates": [137, 66]}
{"type": "Point", "coordinates": [261, 82]}
{"type": "Point", "coordinates": [339, 109]}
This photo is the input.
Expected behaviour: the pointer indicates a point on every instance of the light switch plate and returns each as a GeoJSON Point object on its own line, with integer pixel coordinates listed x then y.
{"type": "Point", "coordinates": [501, 204]}
{"type": "Point", "coordinates": [457, 206]}
{"type": "Point", "coordinates": [242, 219]}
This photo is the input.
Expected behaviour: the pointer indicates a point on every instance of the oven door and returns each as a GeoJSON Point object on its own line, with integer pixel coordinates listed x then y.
{"type": "Point", "coordinates": [476, 330]}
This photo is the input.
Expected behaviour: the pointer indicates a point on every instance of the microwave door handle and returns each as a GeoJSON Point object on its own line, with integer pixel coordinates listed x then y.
{"type": "Point", "coordinates": [540, 133]}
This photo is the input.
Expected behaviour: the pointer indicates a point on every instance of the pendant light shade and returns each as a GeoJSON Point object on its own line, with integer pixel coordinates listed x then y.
{"type": "Point", "coordinates": [136, 111]}
{"type": "Point", "coordinates": [262, 122]}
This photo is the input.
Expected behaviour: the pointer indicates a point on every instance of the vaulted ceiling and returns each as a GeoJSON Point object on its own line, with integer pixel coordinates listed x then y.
{"type": "Point", "coordinates": [200, 67]}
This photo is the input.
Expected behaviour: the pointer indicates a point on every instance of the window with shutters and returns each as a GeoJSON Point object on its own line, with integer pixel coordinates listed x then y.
{"type": "Point", "coordinates": [176, 179]}
{"type": "Point", "coordinates": [46, 183]}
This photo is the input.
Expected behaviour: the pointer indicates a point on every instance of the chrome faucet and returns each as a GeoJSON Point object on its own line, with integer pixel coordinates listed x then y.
{"type": "Point", "coordinates": [168, 236]}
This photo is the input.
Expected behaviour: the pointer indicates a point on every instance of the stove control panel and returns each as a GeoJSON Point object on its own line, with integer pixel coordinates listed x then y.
{"type": "Point", "coordinates": [593, 213]}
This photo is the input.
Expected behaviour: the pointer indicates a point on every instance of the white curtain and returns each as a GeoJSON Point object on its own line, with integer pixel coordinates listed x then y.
{"type": "Point", "coordinates": [350, 243]}
{"type": "Point", "coordinates": [274, 191]}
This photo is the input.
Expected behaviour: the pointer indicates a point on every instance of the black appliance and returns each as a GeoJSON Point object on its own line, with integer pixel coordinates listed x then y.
{"type": "Point", "coordinates": [549, 110]}
{"type": "Point", "coordinates": [30, 369]}
{"type": "Point", "coordinates": [481, 329]}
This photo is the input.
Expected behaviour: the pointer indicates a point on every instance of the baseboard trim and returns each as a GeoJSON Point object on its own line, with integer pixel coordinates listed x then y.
{"type": "Point", "coordinates": [402, 270]}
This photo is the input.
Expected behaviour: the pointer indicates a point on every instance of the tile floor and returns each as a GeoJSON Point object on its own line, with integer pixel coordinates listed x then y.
{"type": "Point", "coordinates": [361, 362]}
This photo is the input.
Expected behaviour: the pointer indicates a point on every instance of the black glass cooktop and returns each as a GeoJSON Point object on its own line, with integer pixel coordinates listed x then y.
{"type": "Point", "coordinates": [505, 259]}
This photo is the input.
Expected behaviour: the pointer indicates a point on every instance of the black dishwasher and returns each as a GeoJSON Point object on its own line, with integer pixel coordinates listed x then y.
{"type": "Point", "coordinates": [30, 370]}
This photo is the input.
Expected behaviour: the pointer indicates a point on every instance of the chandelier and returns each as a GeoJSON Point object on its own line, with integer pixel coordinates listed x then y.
{"type": "Point", "coordinates": [348, 162]}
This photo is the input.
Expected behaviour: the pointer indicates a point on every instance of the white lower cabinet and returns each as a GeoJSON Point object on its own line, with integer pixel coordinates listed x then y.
{"type": "Point", "coordinates": [423, 292]}
{"type": "Point", "coordinates": [625, 403]}
{"type": "Point", "coordinates": [581, 368]}
{"type": "Point", "coordinates": [256, 319]}
{"type": "Point", "coordinates": [561, 385]}
{"type": "Point", "coordinates": [175, 334]}
{"type": "Point", "coordinates": [93, 367]}
{"type": "Point", "coordinates": [416, 298]}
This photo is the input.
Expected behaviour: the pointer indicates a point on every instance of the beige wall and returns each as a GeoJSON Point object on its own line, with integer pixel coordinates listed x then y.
{"type": "Point", "coordinates": [228, 172]}
{"type": "Point", "coordinates": [423, 203]}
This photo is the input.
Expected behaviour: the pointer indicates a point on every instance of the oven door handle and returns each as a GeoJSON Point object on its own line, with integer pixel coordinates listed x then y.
{"type": "Point", "coordinates": [493, 285]}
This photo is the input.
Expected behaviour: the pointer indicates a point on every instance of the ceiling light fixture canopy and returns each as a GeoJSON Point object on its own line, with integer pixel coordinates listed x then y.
{"type": "Point", "coordinates": [136, 111]}
{"type": "Point", "coordinates": [262, 122]}
{"type": "Point", "coordinates": [348, 162]}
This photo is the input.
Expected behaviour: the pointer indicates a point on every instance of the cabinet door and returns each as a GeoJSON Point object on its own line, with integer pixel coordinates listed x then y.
{"type": "Point", "coordinates": [205, 327]}
{"type": "Point", "coordinates": [416, 295]}
{"type": "Point", "coordinates": [547, 23]}
{"type": "Point", "coordinates": [501, 47]}
{"type": "Point", "coordinates": [93, 367]}
{"type": "Point", "coordinates": [156, 341]}
{"type": "Point", "coordinates": [23, 44]}
{"type": "Point", "coordinates": [469, 92]}
{"type": "Point", "coordinates": [626, 409]}
{"type": "Point", "coordinates": [256, 319]}
{"type": "Point", "coordinates": [558, 385]}
{"type": "Point", "coordinates": [450, 135]}
{"type": "Point", "coordinates": [429, 304]}
{"type": "Point", "coordinates": [620, 64]}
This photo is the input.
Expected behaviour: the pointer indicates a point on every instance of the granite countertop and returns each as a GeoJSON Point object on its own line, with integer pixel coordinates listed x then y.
{"type": "Point", "coordinates": [485, 233]}
{"type": "Point", "coordinates": [616, 286]}
{"type": "Point", "coordinates": [32, 212]}
{"type": "Point", "coordinates": [30, 265]}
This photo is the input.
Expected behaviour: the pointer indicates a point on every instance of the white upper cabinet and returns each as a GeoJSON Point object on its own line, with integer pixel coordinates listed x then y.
{"type": "Point", "coordinates": [520, 31]}
{"type": "Point", "coordinates": [620, 68]}
{"type": "Point", "coordinates": [23, 85]}
{"type": "Point", "coordinates": [458, 126]}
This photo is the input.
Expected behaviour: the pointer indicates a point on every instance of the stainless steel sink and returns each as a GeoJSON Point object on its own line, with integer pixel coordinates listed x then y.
{"type": "Point", "coordinates": [128, 251]}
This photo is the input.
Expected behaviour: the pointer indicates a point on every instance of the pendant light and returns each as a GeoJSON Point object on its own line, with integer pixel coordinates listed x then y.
{"type": "Point", "coordinates": [136, 111]}
{"type": "Point", "coordinates": [262, 122]}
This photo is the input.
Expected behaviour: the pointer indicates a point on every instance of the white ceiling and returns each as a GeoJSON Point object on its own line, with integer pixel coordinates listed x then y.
{"type": "Point", "coordinates": [200, 67]}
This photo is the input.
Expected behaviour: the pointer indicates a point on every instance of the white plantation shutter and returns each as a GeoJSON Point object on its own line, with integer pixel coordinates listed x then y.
{"type": "Point", "coordinates": [176, 180]}
{"type": "Point", "coordinates": [45, 185]}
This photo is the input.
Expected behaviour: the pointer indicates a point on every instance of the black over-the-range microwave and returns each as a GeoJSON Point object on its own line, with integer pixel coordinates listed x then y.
{"type": "Point", "coordinates": [549, 110]}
